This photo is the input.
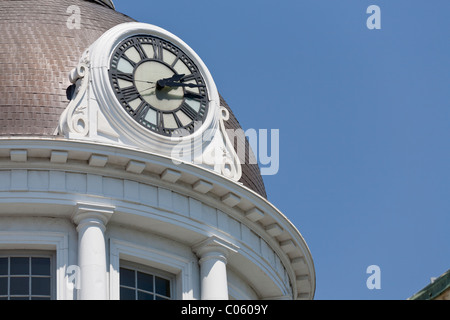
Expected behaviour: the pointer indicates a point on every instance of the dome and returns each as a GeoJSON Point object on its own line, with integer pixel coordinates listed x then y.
{"type": "Point", "coordinates": [38, 51]}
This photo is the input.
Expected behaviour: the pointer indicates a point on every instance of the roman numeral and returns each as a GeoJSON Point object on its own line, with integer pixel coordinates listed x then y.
{"type": "Point", "coordinates": [179, 124]}
{"type": "Point", "coordinates": [130, 93]}
{"type": "Point", "coordinates": [176, 60]}
{"type": "Point", "coordinates": [139, 49]}
{"type": "Point", "coordinates": [141, 111]}
{"type": "Point", "coordinates": [188, 111]}
{"type": "Point", "coordinates": [192, 95]}
{"type": "Point", "coordinates": [158, 49]}
{"type": "Point", "coordinates": [133, 64]}
{"type": "Point", "coordinates": [159, 119]}
{"type": "Point", "coordinates": [189, 77]}
{"type": "Point", "coordinates": [124, 76]}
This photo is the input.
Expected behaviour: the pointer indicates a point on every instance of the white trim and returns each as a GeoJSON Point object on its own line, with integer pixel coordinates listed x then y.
{"type": "Point", "coordinates": [108, 3]}
{"type": "Point", "coordinates": [158, 259]}
{"type": "Point", "coordinates": [13, 240]}
{"type": "Point", "coordinates": [95, 113]}
{"type": "Point", "coordinates": [129, 132]}
{"type": "Point", "coordinates": [67, 183]}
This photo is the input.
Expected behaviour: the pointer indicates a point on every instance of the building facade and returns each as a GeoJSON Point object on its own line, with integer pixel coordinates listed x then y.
{"type": "Point", "coordinates": [438, 289]}
{"type": "Point", "coordinates": [123, 172]}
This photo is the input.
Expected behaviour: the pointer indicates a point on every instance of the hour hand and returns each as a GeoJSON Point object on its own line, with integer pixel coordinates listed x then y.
{"type": "Point", "coordinates": [164, 82]}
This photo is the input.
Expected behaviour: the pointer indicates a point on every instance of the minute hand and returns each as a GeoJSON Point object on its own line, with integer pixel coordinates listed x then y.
{"type": "Point", "coordinates": [174, 84]}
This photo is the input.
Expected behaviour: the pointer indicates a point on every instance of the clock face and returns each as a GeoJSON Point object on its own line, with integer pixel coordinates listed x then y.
{"type": "Point", "coordinates": [158, 85]}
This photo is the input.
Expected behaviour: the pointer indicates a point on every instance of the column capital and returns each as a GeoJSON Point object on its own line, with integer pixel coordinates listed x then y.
{"type": "Point", "coordinates": [90, 211]}
{"type": "Point", "coordinates": [214, 245]}
{"type": "Point", "coordinates": [213, 256]}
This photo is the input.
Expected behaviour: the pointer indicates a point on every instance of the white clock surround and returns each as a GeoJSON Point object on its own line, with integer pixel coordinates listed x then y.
{"type": "Point", "coordinates": [100, 59]}
{"type": "Point", "coordinates": [96, 114]}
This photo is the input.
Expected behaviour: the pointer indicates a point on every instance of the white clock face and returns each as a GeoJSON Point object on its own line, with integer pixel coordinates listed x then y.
{"type": "Point", "coordinates": [158, 85]}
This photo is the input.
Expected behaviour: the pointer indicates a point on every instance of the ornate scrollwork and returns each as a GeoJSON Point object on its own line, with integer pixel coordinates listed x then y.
{"type": "Point", "coordinates": [74, 121]}
{"type": "Point", "coordinates": [220, 153]}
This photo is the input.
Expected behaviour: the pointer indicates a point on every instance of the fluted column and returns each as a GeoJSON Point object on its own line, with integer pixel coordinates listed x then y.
{"type": "Point", "coordinates": [91, 223]}
{"type": "Point", "coordinates": [213, 257]}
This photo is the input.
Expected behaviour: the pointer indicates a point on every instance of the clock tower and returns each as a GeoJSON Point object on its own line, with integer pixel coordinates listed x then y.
{"type": "Point", "coordinates": [118, 176]}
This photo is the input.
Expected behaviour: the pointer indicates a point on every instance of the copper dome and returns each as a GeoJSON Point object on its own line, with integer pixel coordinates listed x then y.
{"type": "Point", "coordinates": [37, 52]}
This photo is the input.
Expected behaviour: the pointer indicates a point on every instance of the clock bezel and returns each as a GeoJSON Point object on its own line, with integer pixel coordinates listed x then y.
{"type": "Point", "coordinates": [137, 42]}
{"type": "Point", "coordinates": [118, 119]}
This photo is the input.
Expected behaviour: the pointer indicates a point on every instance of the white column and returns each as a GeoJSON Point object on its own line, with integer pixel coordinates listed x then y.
{"type": "Point", "coordinates": [213, 257]}
{"type": "Point", "coordinates": [91, 223]}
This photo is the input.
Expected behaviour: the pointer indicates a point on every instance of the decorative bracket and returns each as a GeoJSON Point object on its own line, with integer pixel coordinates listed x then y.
{"type": "Point", "coordinates": [74, 122]}
{"type": "Point", "coordinates": [220, 153]}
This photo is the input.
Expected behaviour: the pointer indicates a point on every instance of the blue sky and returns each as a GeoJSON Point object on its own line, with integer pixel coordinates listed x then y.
{"type": "Point", "coordinates": [364, 120]}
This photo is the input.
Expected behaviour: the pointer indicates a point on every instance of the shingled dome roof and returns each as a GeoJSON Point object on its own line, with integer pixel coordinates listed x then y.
{"type": "Point", "coordinates": [38, 51]}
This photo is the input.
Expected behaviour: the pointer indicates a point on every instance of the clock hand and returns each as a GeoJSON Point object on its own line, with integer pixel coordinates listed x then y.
{"type": "Point", "coordinates": [180, 84]}
{"type": "Point", "coordinates": [144, 81]}
{"type": "Point", "coordinates": [164, 82]}
{"type": "Point", "coordinates": [176, 77]}
{"type": "Point", "coordinates": [193, 95]}
{"type": "Point", "coordinates": [149, 88]}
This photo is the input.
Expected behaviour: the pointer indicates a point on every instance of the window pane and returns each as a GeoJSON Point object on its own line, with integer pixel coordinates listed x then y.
{"type": "Point", "coordinates": [127, 278]}
{"type": "Point", "coordinates": [143, 284]}
{"type": "Point", "coordinates": [19, 298]}
{"type": "Point", "coordinates": [144, 296]}
{"type": "Point", "coordinates": [40, 266]}
{"type": "Point", "coordinates": [19, 286]}
{"type": "Point", "coordinates": [40, 286]}
{"type": "Point", "coordinates": [145, 281]}
{"type": "Point", "coordinates": [3, 286]}
{"type": "Point", "coordinates": [162, 286]}
{"type": "Point", "coordinates": [127, 294]}
{"type": "Point", "coordinates": [4, 266]}
{"type": "Point", "coordinates": [20, 266]}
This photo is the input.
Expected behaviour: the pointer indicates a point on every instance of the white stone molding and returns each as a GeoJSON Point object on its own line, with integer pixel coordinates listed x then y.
{"type": "Point", "coordinates": [213, 254]}
{"type": "Point", "coordinates": [91, 220]}
{"type": "Point", "coordinates": [187, 204]}
{"type": "Point", "coordinates": [107, 3]}
{"type": "Point", "coordinates": [180, 266]}
{"type": "Point", "coordinates": [130, 132]}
